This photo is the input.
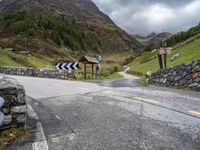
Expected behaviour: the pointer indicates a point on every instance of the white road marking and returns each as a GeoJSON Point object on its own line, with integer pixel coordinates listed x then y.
{"type": "Point", "coordinates": [194, 113]}
{"type": "Point", "coordinates": [41, 142]}
{"type": "Point", "coordinates": [147, 100]}
{"type": "Point", "coordinates": [58, 117]}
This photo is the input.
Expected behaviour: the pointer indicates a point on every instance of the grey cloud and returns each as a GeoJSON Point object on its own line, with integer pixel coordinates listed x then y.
{"type": "Point", "coordinates": [146, 16]}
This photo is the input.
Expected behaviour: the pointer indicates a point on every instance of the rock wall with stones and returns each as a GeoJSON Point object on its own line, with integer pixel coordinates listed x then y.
{"type": "Point", "coordinates": [46, 73]}
{"type": "Point", "coordinates": [14, 108]}
{"type": "Point", "coordinates": [182, 76]}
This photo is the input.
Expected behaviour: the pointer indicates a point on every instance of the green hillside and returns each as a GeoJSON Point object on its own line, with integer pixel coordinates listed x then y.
{"type": "Point", "coordinates": [8, 58]}
{"type": "Point", "coordinates": [148, 61]}
{"type": "Point", "coordinates": [49, 38]}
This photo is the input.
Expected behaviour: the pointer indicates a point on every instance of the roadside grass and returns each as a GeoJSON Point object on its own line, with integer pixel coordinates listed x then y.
{"type": "Point", "coordinates": [188, 52]}
{"type": "Point", "coordinates": [7, 61]}
{"type": "Point", "coordinates": [13, 136]}
{"type": "Point", "coordinates": [8, 58]}
{"type": "Point", "coordinates": [142, 79]}
{"type": "Point", "coordinates": [113, 76]}
{"type": "Point", "coordinates": [39, 63]}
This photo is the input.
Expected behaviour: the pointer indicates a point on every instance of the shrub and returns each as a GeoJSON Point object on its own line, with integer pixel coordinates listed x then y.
{"type": "Point", "coordinates": [24, 26]}
{"type": "Point", "coordinates": [31, 32]}
{"type": "Point", "coordinates": [20, 15]}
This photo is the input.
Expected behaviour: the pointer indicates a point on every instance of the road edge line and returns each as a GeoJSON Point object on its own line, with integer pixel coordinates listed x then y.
{"type": "Point", "coordinates": [41, 141]}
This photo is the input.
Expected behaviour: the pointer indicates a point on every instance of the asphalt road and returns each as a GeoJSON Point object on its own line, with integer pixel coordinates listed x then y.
{"type": "Point", "coordinates": [110, 115]}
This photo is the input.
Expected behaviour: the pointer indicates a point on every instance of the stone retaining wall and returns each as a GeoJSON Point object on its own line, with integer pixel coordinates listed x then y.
{"type": "Point", "coordinates": [46, 73]}
{"type": "Point", "coordinates": [182, 76]}
{"type": "Point", "coordinates": [14, 109]}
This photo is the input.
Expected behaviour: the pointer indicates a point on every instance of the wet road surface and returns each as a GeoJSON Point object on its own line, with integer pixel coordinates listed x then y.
{"type": "Point", "coordinates": [111, 115]}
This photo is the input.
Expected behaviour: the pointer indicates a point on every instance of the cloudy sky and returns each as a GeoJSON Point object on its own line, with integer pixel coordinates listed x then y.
{"type": "Point", "coordinates": [146, 16]}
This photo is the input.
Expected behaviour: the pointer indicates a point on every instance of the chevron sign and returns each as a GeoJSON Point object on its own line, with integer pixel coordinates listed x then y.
{"type": "Point", "coordinates": [70, 66]}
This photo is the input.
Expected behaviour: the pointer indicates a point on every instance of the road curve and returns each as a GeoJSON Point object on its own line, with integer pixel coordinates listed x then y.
{"type": "Point", "coordinates": [113, 115]}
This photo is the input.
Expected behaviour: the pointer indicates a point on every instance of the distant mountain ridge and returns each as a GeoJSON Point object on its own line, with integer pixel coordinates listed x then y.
{"type": "Point", "coordinates": [153, 38]}
{"type": "Point", "coordinates": [84, 14]}
{"type": "Point", "coordinates": [160, 37]}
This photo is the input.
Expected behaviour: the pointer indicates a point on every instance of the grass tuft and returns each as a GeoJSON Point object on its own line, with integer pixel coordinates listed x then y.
{"type": "Point", "coordinates": [13, 136]}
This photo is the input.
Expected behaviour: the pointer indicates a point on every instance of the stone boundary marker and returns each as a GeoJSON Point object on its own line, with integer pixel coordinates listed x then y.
{"type": "Point", "coordinates": [46, 73]}
{"type": "Point", "coordinates": [185, 76]}
{"type": "Point", "coordinates": [14, 108]}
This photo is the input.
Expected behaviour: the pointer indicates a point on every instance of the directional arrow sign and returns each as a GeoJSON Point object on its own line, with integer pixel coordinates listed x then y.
{"type": "Point", "coordinates": [75, 66]}
{"type": "Point", "coordinates": [70, 66]}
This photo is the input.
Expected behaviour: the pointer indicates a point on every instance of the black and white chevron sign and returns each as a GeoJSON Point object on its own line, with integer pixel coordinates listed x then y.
{"type": "Point", "coordinates": [67, 66]}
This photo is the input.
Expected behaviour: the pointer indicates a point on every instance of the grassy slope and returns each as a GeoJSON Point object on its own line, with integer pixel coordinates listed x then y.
{"type": "Point", "coordinates": [12, 59]}
{"type": "Point", "coordinates": [188, 52]}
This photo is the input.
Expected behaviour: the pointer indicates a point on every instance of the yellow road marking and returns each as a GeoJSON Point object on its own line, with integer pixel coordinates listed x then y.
{"type": "Point", "coordinates": [147, 100]}
{"type": "Point", "coordinates": [194, 113]}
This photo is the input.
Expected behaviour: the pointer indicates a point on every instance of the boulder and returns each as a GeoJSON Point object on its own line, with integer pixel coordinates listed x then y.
{"type": "Point", "coordinates": [173, 58]}
{"type": "Point", "coordinates": [149, 73]}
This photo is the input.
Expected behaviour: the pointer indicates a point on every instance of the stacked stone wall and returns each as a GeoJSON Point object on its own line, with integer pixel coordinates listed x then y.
{"type": "Point", "coordinates": [14, 108]}
{"type": "Point", "coordinates": [45, 73]}
{"type": "Point", "coordinates": [182, 76]}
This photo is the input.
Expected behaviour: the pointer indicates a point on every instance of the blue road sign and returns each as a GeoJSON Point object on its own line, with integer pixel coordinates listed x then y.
{"type": "Point", "coordinates": [100, 59]}
{"type": "Point", "coordinates": [1, 114]}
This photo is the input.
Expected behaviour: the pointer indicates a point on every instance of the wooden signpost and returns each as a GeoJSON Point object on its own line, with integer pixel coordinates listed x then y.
{"type": "Point", "coordinates": [163, 52]}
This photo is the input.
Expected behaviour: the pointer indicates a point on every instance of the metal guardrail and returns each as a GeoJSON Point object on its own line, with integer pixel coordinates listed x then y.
{"type": "Point", "coordinates": [2, 102]}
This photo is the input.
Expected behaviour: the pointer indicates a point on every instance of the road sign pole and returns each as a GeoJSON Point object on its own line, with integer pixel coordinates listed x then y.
{"type": "Point", "coordinates": [165, 60]}
{"type": "Point", "coordinates": [85, 69]}
{"type": "Point", "coordinates": [92, 70]}
{"type": "Point", "coordinates": [160, 61]}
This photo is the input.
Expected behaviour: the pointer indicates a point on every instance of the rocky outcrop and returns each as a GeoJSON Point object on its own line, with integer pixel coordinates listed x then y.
{"type": "Point", "coordinates": [46, 73]}
{"type": "Point", "coordinates": [182, 76]}
{"type": "Point", "coordinates": [14, 109]}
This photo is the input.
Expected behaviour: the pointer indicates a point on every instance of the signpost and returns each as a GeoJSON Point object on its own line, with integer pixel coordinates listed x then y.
{"type": "Point", "coordinates": [1, 114]}
{"type": "Point", "coordinates": [164, 51]}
